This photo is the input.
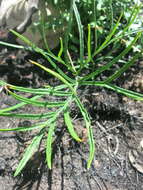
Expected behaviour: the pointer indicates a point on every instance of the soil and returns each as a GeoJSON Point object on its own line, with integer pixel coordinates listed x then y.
{"type": "Point", "coordinates": [118, 131]}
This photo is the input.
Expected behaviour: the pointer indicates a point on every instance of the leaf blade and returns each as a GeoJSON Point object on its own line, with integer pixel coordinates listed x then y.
{"type": "Point", "coordinates": [70, 126]}
{"type": "Point", "coordinates": [49, 145]}
{"type": "Point", "coordinates": [89, 131]}
{"type": "Point", "coordinates": [31, 149]}
{"type": "Point", "coordinates": [28, 116]}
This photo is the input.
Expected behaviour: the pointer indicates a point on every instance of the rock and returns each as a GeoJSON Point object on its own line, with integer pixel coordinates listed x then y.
{"type": "Point", "coordinates": [136, 157]}
{"type": "Point", "coordinates": [2, 165]}
{"type": "Point", "coordinates": [25, 16]}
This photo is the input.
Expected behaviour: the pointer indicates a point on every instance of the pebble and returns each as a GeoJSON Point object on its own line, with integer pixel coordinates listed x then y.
{"type": "Point", "coordinates": [2, 165]}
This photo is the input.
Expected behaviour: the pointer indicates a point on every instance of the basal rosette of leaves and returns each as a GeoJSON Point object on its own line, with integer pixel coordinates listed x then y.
{"type": "Point", "coordinates": [91, 50]}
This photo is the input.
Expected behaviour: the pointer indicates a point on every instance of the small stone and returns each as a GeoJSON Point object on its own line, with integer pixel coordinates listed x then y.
{"type": "Point", "coordinates": [2, 165]}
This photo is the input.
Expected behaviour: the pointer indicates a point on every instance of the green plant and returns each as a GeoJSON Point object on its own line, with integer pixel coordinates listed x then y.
{"type": "Point", "coordinates": [69, 86]}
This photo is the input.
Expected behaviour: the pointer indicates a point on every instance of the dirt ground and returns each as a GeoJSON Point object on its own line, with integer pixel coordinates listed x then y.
{"type": "Point", "coordinates": [118, 130]}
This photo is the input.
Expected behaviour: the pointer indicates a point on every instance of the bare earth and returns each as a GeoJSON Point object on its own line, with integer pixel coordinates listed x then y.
{"type": "Point", "coordinates": [118, 130]}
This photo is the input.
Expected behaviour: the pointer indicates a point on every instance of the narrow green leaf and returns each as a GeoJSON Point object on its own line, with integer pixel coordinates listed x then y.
{"type": "Point", "coordinates": [68, 31]}
{"type": "Point", "coordinates": [17, 105]}
{"type": "Point", "coordinates": [80, 29]}
{"type": "Point", "coordinates": [24, 39]}
{"type": "Point", "coordinates": [132, 18]}
{"type": "Point", "coordinates": [118, 73]}
{"type": "Point", "coordinates": [11, 45]}
{"type": "Point", "coordinates": [108, 65]}
{"type": "Point", "coordinates": [26, 128]}
{"type": "Point", "coordinates": [49, 145]}
{"type": "Point", "coordinates": [48, 90]}
{"type": "Point", "coordinates": [108, 38]}
{"type": "Point", "coordinates": [89, 44]}
{"type": "Point", "coordinates": [31, 149]}
{"type": "Point", "coordinates": [55, 74]}
{"type": "Point", "coordinates": [36, 103]}
{"type": "Point", "coordinates": [129, 93]}
{"type": "Point", "coordinates": [111, 13]}
{"type": "Point", "coordinates": [45, 54]}
{"type": "Point", "coordinates": [42, 28]}
{"type": "Point", "coordinates": [41, 91]}
{"type": "Point", "coordinates": [94, 83]}
{"type": "Point", "coordinates": [120, 35]}
{"type": "Point", "coordinates": [70, 126]}
{"type": "Point", "coordinates": [58, 59]}
{"type": "Point", "coordinates": [61, 48]}
{"type": "Point", "coordinates": [89, 131]}
{"type": "Point", "coordinates": [2, 83]}
{"type": "Point", "coordinates": [28, 116]}
{"type": "Point", "coordinates": [42, 52]}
